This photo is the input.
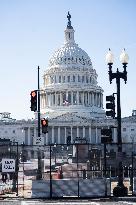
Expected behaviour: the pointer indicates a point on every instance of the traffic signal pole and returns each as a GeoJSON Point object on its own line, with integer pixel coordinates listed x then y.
{"type": "Point", "coordinates": [38, 104]}
{"type": "Point", "coordinates": [39, 173]}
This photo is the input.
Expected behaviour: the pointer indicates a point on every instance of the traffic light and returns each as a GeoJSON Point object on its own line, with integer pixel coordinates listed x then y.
{"type": "Point", "coordinates": [33, 100]}
{"type": "Point", "coordinates": [110, 105]}
{"type": "Point", "coordinates": [106, 135]}
{"type": "Point", "coordinates": [44, 123]}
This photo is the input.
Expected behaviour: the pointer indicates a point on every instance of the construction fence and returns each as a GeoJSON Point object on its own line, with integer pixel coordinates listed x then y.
{"type": "Point", "coordinates": [60, 170]}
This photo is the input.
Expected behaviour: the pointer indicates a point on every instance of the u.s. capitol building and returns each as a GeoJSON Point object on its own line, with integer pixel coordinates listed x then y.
{"type": "Point", "coordinates": [71, 99]}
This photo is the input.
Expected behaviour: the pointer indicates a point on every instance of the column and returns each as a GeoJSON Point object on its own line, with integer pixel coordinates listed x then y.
{"type": "Point", "coordinates": [83, 132]}
{"type": "Point", "coordinates": [83, 98]}
{"type": "Point", "coordinates": [61, 99]}
{"type": "Point", "coordinates": [88, 98]}
{"type": "Point", "coordinates": [90, 134]}
{"type": "Point", "coordinates": [55, 99]}
{"type": "Point", "coordinates": [92, 99]}
{"type": "Point", "coordinates": [96, 134]}
{"type": "Point", "coordinates": [51, 99]}
{"type": "Point", "coordinates": [98, 99]}
{"type": "Point", "coordinates": [28, 135]}
{"type": "Point", "coordinates": [115, 135]}
{"type": "Point", "coordinates": [66, 95]}
{"type": "Point", "coordinates": [77, 132]}
{"type": "Point", "coordinates": [59, 135]}
{"type": "Point", "coordinates": [45, 103]}
{"type": "Point", "coordinates": [102, 100]}
{"type": "Point", "coordinates": [53, 139]}
{"type": "Point", "coordinates": [35, 133]}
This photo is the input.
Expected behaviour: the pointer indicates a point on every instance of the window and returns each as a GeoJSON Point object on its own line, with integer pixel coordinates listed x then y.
{"type": "Point", "coordinates": [124, 129]}
{"type": "Point", "coordinates": [132, 129]}
{"type": "Point", "coordinates": [73, 78]}
{"type": "Point", "coordinates": [14, 131]}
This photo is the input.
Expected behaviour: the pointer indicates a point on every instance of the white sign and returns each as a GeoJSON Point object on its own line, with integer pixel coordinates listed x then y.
{"type": "Point", "coordinates": [38, 140]}
{"type": "Point", "coordinates": [8, 165]}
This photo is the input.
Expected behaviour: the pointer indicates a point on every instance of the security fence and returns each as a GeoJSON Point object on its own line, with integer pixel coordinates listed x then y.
{"type": "Point", "coordinates": [59, 170]}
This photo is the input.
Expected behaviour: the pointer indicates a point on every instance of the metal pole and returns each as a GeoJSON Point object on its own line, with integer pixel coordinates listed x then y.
{"type": "Point", "coordinates": [77, 171]}
{"type": "Point", "coordinates": [120, 175]}
{"type": "Point", "coordinates": [105, 160]}
{"type": "Point", "coordinates": [50, 176]}
{"type": "Point", "coordinates": [23, 167]}
{"type": "Point", "coordinates": [17, 168]}
{"type": "Point", "coordinates": [38, 104]}
{"type": "Point", "coordinates": [132, 171]}
{"type": "Point", "coordinates": [39, 174]}
{"type": "Point", "coordinates": [118, 114]}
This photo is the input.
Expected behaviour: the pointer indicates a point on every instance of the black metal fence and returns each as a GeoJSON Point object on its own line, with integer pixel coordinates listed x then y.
{"type": "Point", "coordinates": [77, 170]}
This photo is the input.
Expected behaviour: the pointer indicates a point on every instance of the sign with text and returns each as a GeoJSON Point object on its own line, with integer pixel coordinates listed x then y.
{"type": "Point", "coordinates": [8, 165]}
{"type": "Point", "coordinates": [38, 141]}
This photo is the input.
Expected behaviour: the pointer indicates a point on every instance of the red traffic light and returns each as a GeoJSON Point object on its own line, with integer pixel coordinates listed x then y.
{"type": "Point", "coordinates": [44, 122]}
{"type": "Point", "coordinates": [33, 93]}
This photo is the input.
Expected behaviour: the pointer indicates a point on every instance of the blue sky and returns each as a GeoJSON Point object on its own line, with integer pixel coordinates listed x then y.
{"type": "Point", "coordinates": [30, 30]}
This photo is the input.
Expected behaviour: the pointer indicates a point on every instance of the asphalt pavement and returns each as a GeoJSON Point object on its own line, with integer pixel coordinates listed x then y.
{"type": "Point", "coordinates": [57, 202]}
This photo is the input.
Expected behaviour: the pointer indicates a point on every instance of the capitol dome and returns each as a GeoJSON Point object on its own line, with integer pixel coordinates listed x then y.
{"type": "Point", "coordinates": [70, 82]}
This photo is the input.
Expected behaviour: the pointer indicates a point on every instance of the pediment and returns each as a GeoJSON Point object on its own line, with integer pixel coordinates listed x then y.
{"type": "Point", "coordinates": [69, 117]}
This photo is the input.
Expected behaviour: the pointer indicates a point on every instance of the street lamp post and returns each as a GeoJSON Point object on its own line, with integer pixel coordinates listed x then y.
{"type": "Point", "coordinates": [120, 190]}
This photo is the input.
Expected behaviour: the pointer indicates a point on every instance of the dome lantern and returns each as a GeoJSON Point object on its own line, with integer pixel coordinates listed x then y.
{"type": "Point", "coordinates": [69, 32]}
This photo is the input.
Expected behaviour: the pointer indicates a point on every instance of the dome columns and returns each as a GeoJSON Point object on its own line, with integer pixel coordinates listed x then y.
{"type": "Point", "coordinates": [72, 98]}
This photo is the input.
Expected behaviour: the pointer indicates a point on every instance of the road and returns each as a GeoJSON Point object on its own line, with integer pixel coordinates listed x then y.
{"type": "Point", "coordinates": [85, 202]}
